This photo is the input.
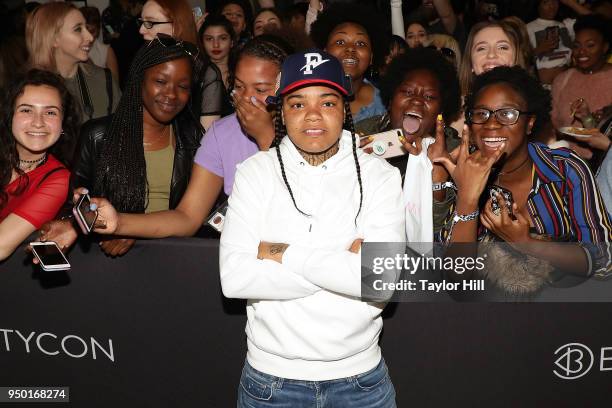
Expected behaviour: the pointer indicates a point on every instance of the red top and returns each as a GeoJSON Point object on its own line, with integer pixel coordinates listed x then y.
{"type": "Point", "coordinates": [43, 196]}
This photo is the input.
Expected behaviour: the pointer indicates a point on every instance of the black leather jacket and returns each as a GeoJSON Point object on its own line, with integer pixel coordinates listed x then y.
{"type": "Point", "coordinates": [188, 134]}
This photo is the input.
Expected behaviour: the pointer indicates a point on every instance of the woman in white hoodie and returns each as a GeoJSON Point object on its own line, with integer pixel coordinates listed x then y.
{"type": "Point", "coordinates": [290, 245]}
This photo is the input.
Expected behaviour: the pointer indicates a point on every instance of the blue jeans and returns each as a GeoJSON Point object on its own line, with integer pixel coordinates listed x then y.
{"type": "Point", "coordinates": [372, 389]}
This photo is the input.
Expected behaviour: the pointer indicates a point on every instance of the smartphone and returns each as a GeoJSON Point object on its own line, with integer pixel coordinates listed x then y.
{"type": "Point", "coordinates": [83, 214]}
{"type": "Point", "coordinates": [217, 219]}
{"type": "Point", "coordinates": [386, 144]}
{"type": "Point", "coordinates": [50, 256]}
{"type": "Point", "coordinates": [197, 12]}
{"type": "Point", "coordinates": [507, 194]}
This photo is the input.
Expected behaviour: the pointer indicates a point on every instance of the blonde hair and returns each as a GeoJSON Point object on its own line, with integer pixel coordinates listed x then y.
{"type": "Point", "coordinates": [42, 27]}
{"type": "Point", "coordinates": [446, 41]}
{"type": "Point", "coordinates": [466, 73]}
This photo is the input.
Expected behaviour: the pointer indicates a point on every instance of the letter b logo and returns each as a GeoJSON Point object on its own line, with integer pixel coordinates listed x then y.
{"type": "Point", "coordinates": [575, 361]}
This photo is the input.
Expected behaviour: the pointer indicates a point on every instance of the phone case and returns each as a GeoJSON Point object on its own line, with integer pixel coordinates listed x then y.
{"type": "Point", "coordinates": [386, 144]}
{"type": "Point", "coordinates": [80, 219]}
{"type": "Point", "coordinates": [217, 219]}
{"type": "Point", "coordinates": [507, 194]}
{"type": "Point", "coordinates": [54, 267]}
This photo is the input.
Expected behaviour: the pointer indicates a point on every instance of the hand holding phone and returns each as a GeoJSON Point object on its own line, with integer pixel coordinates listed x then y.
{"type": "Point", "coordinates": [507, 194]}
{"type": "Point", "coordinates": [85, 217]}
{"type": "Point", "coordinates": [49, 255]}
{"type": "Point", "coordinates": [386, 144]}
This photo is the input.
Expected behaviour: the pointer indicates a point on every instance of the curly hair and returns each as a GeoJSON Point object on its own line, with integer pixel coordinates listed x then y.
{"type": "Point", "coordinates": [62, 150]}
{"type": "Point", "coordinates": [430, 60]}
{"type": "Point", "coordinates": [537, 98]}
{"type": "Point", "coordinates": [359, 14]}
{"type": "Point", "coordinates": [120, 173]}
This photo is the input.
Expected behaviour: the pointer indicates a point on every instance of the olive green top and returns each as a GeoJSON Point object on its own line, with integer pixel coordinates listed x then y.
{"type": "Point", "coordinates": [159, 177]}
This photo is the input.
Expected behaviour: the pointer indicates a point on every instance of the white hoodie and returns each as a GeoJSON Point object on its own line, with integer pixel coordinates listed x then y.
{"type": "Point", "coordinates": [305, 319]}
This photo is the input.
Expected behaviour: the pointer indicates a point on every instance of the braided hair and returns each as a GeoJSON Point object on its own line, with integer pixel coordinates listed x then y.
{"type": "Point", "coordinates": [120, 170]}
{"type": "Point", "coordinates": [279, 133]}
{"type": "Point", "coordinates": [266, 47]}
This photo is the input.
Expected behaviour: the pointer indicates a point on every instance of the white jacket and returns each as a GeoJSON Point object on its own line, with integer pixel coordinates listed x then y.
{"type": "Point", "coordinates": [305, 319]}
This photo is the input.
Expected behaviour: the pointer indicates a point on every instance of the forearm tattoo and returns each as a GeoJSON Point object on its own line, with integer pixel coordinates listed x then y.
{"type": "Point", "coordinates": [277, 248]}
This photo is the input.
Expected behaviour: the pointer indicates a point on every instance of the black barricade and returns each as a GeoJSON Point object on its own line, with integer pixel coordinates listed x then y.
{"type": "Point", "coordinates": [152, 329]}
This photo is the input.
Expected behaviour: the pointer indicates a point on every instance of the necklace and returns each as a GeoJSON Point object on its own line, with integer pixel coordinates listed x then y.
{"type": "Point", "coordinates": [26, 165]}
{"type": "Point", "coordinates": [157, 138]}
{"type": "Point", "coordinates": [514, 169]}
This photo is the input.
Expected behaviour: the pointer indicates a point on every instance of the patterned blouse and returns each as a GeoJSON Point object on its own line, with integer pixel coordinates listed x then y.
{"type": "Point", "coordinates": [565, 204]}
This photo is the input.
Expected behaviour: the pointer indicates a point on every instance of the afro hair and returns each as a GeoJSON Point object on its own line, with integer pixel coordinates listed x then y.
{"type": "Point", "coordinates": [359, 14]}
{"type": "Point", "coordinates": [430, 60]}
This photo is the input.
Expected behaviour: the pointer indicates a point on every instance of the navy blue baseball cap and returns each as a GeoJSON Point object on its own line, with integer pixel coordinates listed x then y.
{"type": "Point", "coordinates": [313, 67]}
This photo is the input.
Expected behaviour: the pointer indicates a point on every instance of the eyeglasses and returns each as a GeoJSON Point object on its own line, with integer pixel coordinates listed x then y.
{"type": "Point", "coordinates": [169, 41]}
{"type": "Point", "coordinates": [504, 116]}
{"type": "Point", "coordinates": [150, 24]}
{"type": "Point", "coordinates": [447, 52]}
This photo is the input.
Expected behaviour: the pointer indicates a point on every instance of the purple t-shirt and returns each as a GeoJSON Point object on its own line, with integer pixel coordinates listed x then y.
{"type": "Point", "coordinates": [223, 147]}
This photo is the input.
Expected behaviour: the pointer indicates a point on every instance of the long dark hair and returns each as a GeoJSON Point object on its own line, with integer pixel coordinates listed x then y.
{"type": "Point", "coordinates": [121, 168]}
{"type": "Point", "coordinates": [280, 131]}
{"type": "Point", "coordinates": [62, 150]}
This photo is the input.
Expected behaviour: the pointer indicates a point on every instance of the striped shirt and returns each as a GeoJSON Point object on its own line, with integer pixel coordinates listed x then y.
{"type": "Point", "coordinates": [565, 204]}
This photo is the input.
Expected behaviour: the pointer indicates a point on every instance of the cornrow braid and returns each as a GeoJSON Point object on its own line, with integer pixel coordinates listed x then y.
{"type": "Point", "coordinates": [350, 126]}
{"type": "Point", "coordinates": [265, 47]}
{"type": "Point", "coordinates": [279, 133]}
{"type": "Point", "coordinates": [120, 173]}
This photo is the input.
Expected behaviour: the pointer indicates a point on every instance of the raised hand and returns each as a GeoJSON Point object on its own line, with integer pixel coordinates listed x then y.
{"type": "Point", "coordinates": [471, 171]}
{"type": "Point", "coordinates": [255, 120]}
{"type": "Point", "coordinates": [438, 148]}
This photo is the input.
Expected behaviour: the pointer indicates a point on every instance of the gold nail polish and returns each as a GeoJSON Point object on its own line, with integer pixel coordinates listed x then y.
{"type": "Point", "coordinates": [439, 117]}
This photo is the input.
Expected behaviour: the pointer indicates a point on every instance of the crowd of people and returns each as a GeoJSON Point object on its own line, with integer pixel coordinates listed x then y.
{"type": "Point", "coordinates": [270, 113]}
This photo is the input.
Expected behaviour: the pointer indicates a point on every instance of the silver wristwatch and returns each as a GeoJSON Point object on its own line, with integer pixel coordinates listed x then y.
{"type": "Point", "coordinates": [442, 186]}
